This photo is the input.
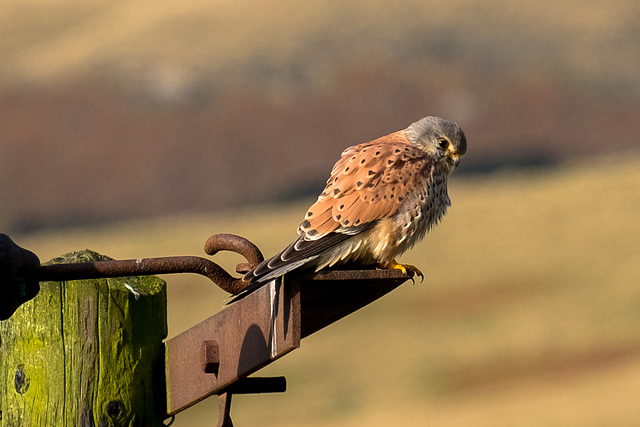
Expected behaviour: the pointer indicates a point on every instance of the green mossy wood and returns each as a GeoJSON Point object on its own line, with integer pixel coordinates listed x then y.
{"type": "Point", "coordinates": [86, 353]}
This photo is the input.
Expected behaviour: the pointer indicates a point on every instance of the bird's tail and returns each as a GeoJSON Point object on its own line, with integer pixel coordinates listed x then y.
{"type": "Point", "coordinates": [263, 274]}
{"type": "Point", "coordinates": [300, 252]}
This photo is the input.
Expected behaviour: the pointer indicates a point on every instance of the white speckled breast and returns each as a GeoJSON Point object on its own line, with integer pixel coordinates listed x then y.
{"type": "Point", "coordinates": [422, 211]}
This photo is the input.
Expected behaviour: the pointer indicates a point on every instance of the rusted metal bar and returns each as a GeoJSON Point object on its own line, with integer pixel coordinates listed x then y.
{"type": "Point", "coordinates": [258, 385]}
{"type": "Point", "coordinates": [224, 410]}
{"type": "Point", "coordinates": [138, 267]}
{"type": "Point", "coordinates": [20, 269]}
{"type": "Point", "coordinates": [247, 336]}
{"type": "Point", "coordinates": [251, 385]}
{"type": "Point", "coordinates": [216, 356]}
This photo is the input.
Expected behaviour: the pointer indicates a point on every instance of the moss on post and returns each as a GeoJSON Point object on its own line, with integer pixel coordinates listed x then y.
{"type": "Point", "coordinates": [86, 353]}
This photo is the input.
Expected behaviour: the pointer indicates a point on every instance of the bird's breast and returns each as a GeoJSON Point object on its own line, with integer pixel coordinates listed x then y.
{"type": "Point", "coordinates": [421, 211]}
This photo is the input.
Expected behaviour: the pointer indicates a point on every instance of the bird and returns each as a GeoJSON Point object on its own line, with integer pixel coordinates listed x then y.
{"type": "Point", "coordinates": [381, 198]}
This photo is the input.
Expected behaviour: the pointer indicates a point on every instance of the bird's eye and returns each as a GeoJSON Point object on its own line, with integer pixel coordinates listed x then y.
{"type": "Point", "coordinates": [443, 143]}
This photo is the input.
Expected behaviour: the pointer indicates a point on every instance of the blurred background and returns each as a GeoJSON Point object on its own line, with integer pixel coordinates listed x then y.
{"type": "Point", "coordinates": [139, 128]}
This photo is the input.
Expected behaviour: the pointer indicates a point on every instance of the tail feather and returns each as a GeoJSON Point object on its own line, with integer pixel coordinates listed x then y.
{"type": "Point", "coordinates": [256, 283]}
{"type": "Point", "coordinates": [297, 254]}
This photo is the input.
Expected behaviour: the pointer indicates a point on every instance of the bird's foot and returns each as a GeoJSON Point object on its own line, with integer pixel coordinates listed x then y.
{"type": "Point", "coordinates": [409, 269]}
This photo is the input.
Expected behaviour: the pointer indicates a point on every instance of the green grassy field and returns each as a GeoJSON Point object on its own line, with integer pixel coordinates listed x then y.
{"type": "Point", "coordinates": [529, 313]}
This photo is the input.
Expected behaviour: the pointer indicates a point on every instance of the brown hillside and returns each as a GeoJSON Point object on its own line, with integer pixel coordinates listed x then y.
{"type": "Point", "coordinates": [119, 109]}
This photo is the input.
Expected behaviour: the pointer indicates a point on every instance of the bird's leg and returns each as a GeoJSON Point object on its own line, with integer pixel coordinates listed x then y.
{"type": "Point", "coordinates": [405, 268]}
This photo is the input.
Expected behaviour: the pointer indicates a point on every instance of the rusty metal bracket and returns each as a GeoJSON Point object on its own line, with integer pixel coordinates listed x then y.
{"type": "Point", "coordinates": [21, 271]}
{"type": "Point", "coordinates": [216, 356]}
{"type": "Point", "coordinates": [224, 349]}
{"type": "Point", "coordinates": [329, 295]}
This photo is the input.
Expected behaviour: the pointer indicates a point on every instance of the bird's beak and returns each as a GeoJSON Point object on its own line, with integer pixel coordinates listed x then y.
{"type": "Point", "coordinates": [454, 158]}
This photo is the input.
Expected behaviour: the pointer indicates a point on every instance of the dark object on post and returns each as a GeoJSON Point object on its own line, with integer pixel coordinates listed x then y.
{"type": "Point", "coordinates": [86, 353]}
{"type": "Point", "coordinates": [18, 283]}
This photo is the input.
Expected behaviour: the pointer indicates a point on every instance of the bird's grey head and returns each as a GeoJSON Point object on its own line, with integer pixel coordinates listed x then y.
{"type": "Point", "coordinates": [441, 139]}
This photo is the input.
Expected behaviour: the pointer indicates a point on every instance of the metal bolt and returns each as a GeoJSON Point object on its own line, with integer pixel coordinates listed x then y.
{"type": "Point", "coordinates": [210, 357]}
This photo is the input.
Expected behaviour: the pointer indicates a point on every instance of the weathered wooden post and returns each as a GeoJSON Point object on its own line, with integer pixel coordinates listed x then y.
{"type": "Point", "coordinates": [86, 353]}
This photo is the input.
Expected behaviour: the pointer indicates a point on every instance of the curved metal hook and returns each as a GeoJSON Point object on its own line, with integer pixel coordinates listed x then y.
{"type": "Point", "coordinates": [239, 245]}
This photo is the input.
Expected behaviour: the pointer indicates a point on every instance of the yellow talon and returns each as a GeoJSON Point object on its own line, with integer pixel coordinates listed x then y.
{"type": "Point", "coordinates": [409, 269]}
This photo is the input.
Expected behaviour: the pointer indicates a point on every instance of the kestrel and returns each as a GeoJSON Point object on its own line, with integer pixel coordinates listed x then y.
{"type": "Point", "coordinates": [381, 199]}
